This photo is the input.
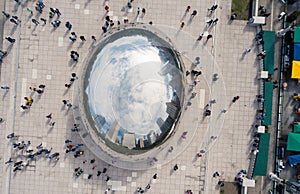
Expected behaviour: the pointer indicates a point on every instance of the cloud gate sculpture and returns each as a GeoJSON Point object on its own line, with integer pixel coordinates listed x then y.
{"type": "Point", "coordinates": [132, 92]}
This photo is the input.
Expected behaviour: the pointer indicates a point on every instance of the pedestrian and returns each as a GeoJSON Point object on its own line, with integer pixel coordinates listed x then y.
{"type": "Point", "coordinates": [79, 145]}
{"type": "Point", "coordinates": [247, 51]}
{"type": "Point", "coordinates": [12, 20]}
{"type": "Point", "coordinates": [210, 22]}
{"type": "Point", "coordinates": [208, 37]}
{"type": "Point", "coordinates": [51, 14]}
{"type": "Point", "coordinates": [207, 112]}
{"type": "Point", "coordinates": [12, 135]}
{"type": "Point", "coordinates": [65, 102]}
{"type": "Point", "coordinates": [104, 29]}
{"type": "Point", "coordinates": [18, 163]}
{"type": "Point", "coordinates": [68, 141]}
{"type": "Point", "coordinates": [104, 170]}
{"type": "Point", "coordinates": [143, 11]}
{"type": "Point", "coordinates": [187, 9]}
{"type": "Point", "coordinates": [41, 4]}
{"type": "Point", "coordinates": [49, 116]}
{"type": "Point", "coordinates": [18, 2]}
{"type": "Point", "coordinates": [111, 23]}
{"type": "Point", "coordinates": [94, 38]}
{"type": "Point", "coordinates": [82, 38]}
{"type": "Point", "coordinates": [39, 9]}
{"type": "Point", "coordinates": [32, 88]}
{"type": "Point", "coordinates": [138, 10]}
{"type": "Point", "coordinates": [182, 25]}
{"type": "Point", "coordinates": [216, 174]}
{"type": "Point", "coordinates": [69, 105]}
{"type": "Point", "coordinates": [5, 14]}
{"type": "Point", "coordinates": [154, 176]}
{"type": "Point", "coordinates": [17, 168]}
{"type": "Point", "coordinates": [68, 25]}
{"type": "Point", "coordinates": [57, 12]}
{"type": "Point", "coordinates": [44, 20]}
{"type": "Point", "coordinates": [56, 23]}
{"type": "Point", "coordinates": [107, 178]}
{"type": "Point", "coordinates": [90, 176]}
{"type": "Point", "coordinates": [213, 8]}
{"type": "Point", "coordinates": [262, 55]}
{"type": "Point", "coordinates": [215, 21]}
{"type": "Point", "coordinates": [74, 76]}
{"type": "Point", "coordinates": [98, 173]}
{"type": "Point", "coordinates": [72, 38]}
{"type": "Point", "coordinates": [52, 124]}
{"type": "Point", "coordinates": [129, 5]}
{"type": "Point", "coordinates": [233, 16]}
{"type": "Point", "coordinates": [9, 161]}
{"type": "Point", "coordinates": [213, 101]}
{"type": "Point", "coordinates": [235, 99]}
{"type": "Point", "coordinates": [200, 37]}
{"type": "Point", "coordinates": [148, 186]}
{"type": "Point", "coordinates": [68, 85]}
{"type": "Point", "coordinates": [30, 11]}
{"type": "Point", "coordinates": [175, 167]}
{"type": "Point", "coordinates": [140, 190]}
{"type": "Point", "coordinates": [106, 8]}
{"type": "Point", "coordinates": [24, 107]}
{"type": "Point", "coordinates": [194, 13]}
{"type": "Point", "coordinates": [76, 169]}
{"type": "Point", "coordinates": [92, 161]}
{"type": "Point", "coordinates": [6, 88]}
{"type": "Point", "coordinates": [93, 168]}
{"type": "Point", "coordinates": [199, 155]}
{"type": "Point", "coordinates": [262, 10]}
{"type": "Point", "coordinates": [39, 91]}
{"type": "Point", "coordinates": [183, 136]}
{"type": "Point", "coordinates": [42, 86]}
{"type": "Point", "coordinates": [35, 22]}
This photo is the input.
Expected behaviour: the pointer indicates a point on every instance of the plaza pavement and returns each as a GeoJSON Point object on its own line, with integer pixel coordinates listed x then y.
{"type": "Point", "coordinates": [41, 55]}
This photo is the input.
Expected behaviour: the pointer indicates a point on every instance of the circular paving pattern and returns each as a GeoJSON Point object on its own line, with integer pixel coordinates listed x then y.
{"type": "Point", "coordinates": [134, 102]}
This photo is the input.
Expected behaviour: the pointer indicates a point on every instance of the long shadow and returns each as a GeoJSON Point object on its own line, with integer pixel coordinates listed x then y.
{"type": "Point", "coordinates": [184, 15]}
{"type": "Point", "coordinates": [35, 26]}
{"type": "Point", "coordinates": [13, 29]}
{"type": "Point", "coordinates": [86, 3]}
{"type": "Point", "coordinates": [66, 33]}
{"type": "Point", "coordinates": [81, 44]}
{"type": "Point", "coordinates": [9, 48]}
{"type": "Point", "coordinates": [189, 21]}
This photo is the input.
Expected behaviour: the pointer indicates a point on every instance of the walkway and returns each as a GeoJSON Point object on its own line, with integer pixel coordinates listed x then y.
{"type": "Point", "coordinates": [41, 56]}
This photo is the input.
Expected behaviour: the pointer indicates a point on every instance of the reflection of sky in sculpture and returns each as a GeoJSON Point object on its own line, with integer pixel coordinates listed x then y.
{"type": "Point", "coordinates": [128, 84]}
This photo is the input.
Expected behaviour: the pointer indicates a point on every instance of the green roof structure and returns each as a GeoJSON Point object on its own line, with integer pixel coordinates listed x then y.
{"type": "Point", "coordinates": [269, 42]}
{"type": "Point", "coordinates": [268, 96]}
{"type": "Point", "coordinates": [293, 143]}
{"type": "Point", "coordinates": [296, 128]}
{"type": "Point", "coordinates": [261, 162]}
{"type": "Point", "coordinates": [297, 35]}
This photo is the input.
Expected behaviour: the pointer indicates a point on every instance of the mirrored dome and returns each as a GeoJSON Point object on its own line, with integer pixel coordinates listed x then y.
{"type": "Point", "coordinates": [134, 90]}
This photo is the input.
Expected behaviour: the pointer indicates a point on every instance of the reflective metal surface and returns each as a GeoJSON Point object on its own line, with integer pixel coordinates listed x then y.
{"type": "Point", "coordinates": [135, 89]}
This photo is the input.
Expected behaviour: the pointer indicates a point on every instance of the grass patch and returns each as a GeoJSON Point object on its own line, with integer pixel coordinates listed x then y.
{"type": "Point", "coordinates": [241, 8]}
